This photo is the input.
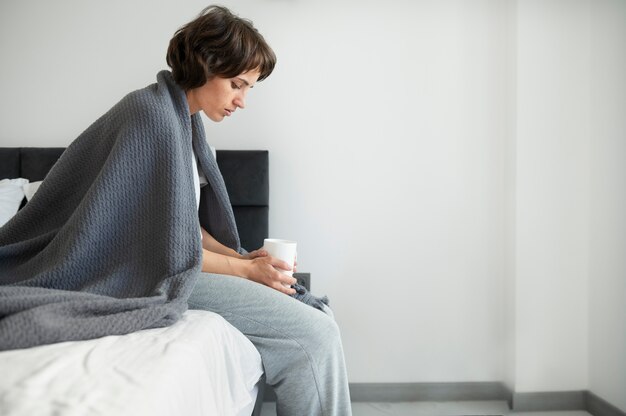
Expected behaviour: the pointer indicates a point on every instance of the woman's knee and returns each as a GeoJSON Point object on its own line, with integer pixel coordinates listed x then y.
{"type": "Point", "coordinates": [322, 335]}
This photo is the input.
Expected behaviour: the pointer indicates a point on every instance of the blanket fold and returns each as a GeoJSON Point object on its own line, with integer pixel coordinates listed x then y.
{"type": "Point", "coordinates": [109, 244]}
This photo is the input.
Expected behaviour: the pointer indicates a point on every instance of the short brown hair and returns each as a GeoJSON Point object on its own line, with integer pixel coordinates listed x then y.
{"type": "Point", "coordinates": [217, 43]}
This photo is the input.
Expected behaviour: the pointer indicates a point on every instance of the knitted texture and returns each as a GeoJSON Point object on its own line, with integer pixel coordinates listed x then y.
{"type": "Point", "coordinates": [109, 244]}
{"type": "Point", "coordinates": [305, 296]}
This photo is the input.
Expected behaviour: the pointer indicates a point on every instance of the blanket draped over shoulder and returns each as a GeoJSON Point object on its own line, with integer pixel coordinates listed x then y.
{"type": "Point", "coordinates": [109, 244]}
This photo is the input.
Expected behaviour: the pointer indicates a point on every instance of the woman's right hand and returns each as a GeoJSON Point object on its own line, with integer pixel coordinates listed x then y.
{"type": "Point", "coordinates": [264, 270]}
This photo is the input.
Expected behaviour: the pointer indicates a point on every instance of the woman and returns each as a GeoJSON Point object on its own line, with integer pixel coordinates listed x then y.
{"type": "Point", "coordinates": [217, 59]}
{"type": "Point", "coordinates": [113, 241]}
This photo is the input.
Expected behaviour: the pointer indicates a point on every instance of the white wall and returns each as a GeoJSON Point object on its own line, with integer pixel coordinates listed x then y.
{"type": "Point", "coordinates": [386, 126]}
{"type": "Point", "coordinates": [570, 192]}
{"type": "Point", "coordinates": [510, 211]}
{"type": "Point", "coordinates": [552, 195]}
{"type": "Point", "coordinates": [65, 63]}
{"type": "Point", "coordinates": [607, 262]}
{"type": "Point", "coordinates": [428, 156]}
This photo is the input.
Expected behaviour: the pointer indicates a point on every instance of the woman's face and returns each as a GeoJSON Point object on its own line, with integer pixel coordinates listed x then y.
{"type": "Point", "coordinates": [220, 97]}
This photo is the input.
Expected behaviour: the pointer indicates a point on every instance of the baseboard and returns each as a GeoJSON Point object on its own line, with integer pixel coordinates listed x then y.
{"type": "Point", "coordinates": [563, 400]}
{"type": "Point", "coordinates": [597, 406]}
{"type": "Point", "coordinates": [441, 392]}
{"type": "Point", "coordinates": [409, 392]}
{"type": "Point", "coordinates": [547, 401]}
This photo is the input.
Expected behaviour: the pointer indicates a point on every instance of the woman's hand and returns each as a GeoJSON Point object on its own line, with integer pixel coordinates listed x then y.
{"type": "Point", "coordinates": [263, 269]}
{"type": "Point", "coordinates": [263, 253]}
{"type": "Point", "coordinates": [256, 253]}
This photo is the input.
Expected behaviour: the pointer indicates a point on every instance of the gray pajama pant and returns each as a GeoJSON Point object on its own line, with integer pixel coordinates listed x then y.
{"type": "Point", "coordinates": [300, 346]}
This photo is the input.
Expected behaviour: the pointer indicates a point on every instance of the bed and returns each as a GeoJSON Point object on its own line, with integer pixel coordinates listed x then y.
{"type": "Point", "coordinates": [201, 365]}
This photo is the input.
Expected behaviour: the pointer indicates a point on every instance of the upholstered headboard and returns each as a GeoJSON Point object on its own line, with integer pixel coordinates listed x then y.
{"type": "Point", "coordinates": [246, 173]}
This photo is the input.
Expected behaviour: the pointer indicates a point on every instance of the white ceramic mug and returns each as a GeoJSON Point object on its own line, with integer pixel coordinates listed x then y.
{"type": "Point", "coordinates": [284, 250]}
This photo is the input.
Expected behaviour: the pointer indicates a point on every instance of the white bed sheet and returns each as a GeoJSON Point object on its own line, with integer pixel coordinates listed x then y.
{"type": "Point", "coordinates": [199, 366]}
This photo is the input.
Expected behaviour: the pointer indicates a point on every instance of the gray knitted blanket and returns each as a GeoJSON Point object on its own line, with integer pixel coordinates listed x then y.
{"type": "Point", "coordinates": [109, 244]}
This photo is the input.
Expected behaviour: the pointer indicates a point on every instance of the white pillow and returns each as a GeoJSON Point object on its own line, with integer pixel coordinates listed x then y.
{"type": "Point", "coordinates": [11, 196]}
{"type": "Point", "coordinates": [30, 189]}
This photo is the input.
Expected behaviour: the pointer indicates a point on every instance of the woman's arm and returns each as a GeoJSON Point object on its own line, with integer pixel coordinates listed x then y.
{"type": "Point", "coordinates": [260, 269]}
{"type": "Point", "coordinates": [211, 244]}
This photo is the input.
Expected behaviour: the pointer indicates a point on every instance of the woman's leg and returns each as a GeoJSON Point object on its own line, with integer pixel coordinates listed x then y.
{"type": "Point", "coordinates": [300, 345]}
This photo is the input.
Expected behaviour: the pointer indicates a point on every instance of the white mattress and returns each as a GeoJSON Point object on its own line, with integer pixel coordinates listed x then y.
{"type": "Point", "coordinates": [199, 366]}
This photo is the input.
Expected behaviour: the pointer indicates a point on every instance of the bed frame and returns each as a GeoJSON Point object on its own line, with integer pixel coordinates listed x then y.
{"type": "Point", "coordinates": [245, 172]}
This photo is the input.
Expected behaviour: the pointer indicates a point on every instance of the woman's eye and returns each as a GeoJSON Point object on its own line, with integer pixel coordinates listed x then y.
{"type": "Point", "coordinates": [235, 86]}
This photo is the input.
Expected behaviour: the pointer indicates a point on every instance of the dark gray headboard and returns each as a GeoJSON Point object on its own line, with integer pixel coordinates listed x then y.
{"type": "Point", "coordinates": [246, 173]}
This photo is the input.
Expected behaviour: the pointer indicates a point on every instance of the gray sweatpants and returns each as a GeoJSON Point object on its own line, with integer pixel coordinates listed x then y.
{"type": "Point", "coordinates": [300, 346]}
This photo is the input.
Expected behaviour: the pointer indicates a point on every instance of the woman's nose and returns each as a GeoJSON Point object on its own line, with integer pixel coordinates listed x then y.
{"type": "Point", "coordinates": [240, 101]}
